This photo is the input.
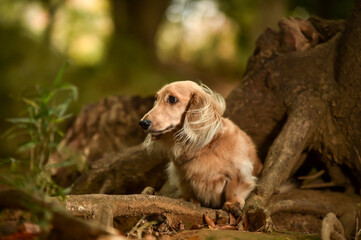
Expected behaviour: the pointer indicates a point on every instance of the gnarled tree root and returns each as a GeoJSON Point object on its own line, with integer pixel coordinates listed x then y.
{"type": "Point", "coordinates": [284, 154]}
{"type": "Point", "coordinates": [104, 208]}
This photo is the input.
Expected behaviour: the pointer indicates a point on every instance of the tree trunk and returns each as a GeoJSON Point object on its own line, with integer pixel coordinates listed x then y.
{"type": "Point", "coordinates": [139, 20]}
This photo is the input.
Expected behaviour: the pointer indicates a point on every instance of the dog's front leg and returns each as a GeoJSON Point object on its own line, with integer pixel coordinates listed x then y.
{"type": "Point", "coordinates": [235, 195]}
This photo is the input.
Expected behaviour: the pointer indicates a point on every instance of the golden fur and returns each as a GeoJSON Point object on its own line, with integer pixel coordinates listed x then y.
{"type": "Point", "coordinates": [213, 161]}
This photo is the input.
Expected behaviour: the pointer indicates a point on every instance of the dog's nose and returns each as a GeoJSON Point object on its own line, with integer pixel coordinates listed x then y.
{"type": "Point", "coordinates": [145, 124]}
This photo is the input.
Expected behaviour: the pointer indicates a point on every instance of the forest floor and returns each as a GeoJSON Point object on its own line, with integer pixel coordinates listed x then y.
{"type": "Point", "coordinates": [233, 235]}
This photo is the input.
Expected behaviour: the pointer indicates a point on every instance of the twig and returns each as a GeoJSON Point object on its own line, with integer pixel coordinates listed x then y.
{"type": "Point", "coordinates": [312, 177]}
{"type": "Point", "coordinates": [134, 229]}
{"type": "Point", "coordinates": [144, 226]}
{"type": "Point", "coordinates": [318, 185]}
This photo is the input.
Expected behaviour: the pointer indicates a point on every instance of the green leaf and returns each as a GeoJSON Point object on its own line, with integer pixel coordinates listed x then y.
{"type": "Point", "coordinates": [60, 164]}
{"type": "Point", "coordinates": [20, 120]}
{"type": "Point", "coordinates": [60, 133]}
{"type": "Point", "coordinates": [61, 119]}
{"type": "Point", "coordinates": [11, 133]}
{"type": "Point", "coordinates": [60, 74]}
{"type": "Point", "coordinates": [69, 87]}
{"type": "Point", "coordinates": [50, 96]}
{"type": "Point", "coordinates": [31, 103]}
{"type": "Point", "coordinates": [61, 108]}
{"type": "Point", "coordinates": [47, 96]}
{"type": "Point", "coordinates": [59, 88]}
{"type": "Point", "coordinates": [27, 146]}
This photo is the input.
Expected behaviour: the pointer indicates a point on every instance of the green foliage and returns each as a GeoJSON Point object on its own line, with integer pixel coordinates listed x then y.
{"type": "Point", "coordinates": [40, 130]}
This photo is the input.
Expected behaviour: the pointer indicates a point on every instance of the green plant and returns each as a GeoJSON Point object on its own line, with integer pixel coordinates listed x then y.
{"type": "Point", "coordinates": [40, 128]}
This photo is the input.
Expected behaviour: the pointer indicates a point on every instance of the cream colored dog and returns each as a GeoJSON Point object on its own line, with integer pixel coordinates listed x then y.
{"type": "Point", "coordinates": [213, 161]}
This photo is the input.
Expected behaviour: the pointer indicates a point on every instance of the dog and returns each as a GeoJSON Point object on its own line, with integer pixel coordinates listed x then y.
{"type": "Point", "coordinates": [212, 161]}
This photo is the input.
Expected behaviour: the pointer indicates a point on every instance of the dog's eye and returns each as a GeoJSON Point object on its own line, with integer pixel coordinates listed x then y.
{"type": "Point", "coordinates": [172, 99]}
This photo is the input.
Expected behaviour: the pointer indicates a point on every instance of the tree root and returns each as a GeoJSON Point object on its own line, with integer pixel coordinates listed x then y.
{"type": "Point", "coordinates": [161, 215]}
{"type": "Point", "coordinates": [314, 203]}
{"type": "Point", "coordinates": [332, 228]}
{"type": "Point", "coordinates": [260, 220]}
{"type": "Point", "coordinates": [284, 153]}
{"type": "Point", "coordinates": [109, 207]}
{"type": "Point", "coordinates": [64, 225]}
{"type": "Point", "coordinates": [300, 206]}
{"type": "Point", "coordinates": [125, 172]}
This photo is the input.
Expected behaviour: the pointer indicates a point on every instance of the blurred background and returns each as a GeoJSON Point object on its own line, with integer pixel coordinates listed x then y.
{"type": "Point", "coordinates": [133, 47]}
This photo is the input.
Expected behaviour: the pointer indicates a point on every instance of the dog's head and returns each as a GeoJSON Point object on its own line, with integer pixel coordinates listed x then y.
{"type": "Point", "coordinates": [192, 111]}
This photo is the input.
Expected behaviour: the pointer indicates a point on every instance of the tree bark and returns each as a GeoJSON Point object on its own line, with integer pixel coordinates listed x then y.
{"type": "Point", "coordinates": [346, 107]}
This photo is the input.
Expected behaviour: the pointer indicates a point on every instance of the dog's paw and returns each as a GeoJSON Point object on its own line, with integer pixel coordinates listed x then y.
{"type": "Point", "coordinates": [235, 208]}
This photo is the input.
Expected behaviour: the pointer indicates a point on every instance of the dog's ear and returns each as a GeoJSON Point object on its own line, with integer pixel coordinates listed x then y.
{"type": "Point", "coordinates": [203, 118]}
{"type": "Point", "coordinates": [197, 107]}
{"type": "Point", "coordinates": [203, 107]}
{"type": "Point", "coordinates": [216, 99]}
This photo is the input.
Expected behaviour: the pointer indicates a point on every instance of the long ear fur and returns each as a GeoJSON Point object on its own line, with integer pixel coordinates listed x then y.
{"type": "Point", "coordinates": [202, 122]}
